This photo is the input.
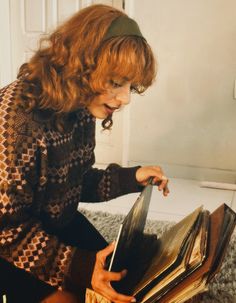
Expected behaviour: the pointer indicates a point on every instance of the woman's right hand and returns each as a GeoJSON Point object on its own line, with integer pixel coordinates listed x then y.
{"type": "Point", "coordinates": [101, 278]}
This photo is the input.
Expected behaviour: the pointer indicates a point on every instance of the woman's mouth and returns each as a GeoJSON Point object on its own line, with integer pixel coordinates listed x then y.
{"type": "Point", "coordinates": [110, 109]}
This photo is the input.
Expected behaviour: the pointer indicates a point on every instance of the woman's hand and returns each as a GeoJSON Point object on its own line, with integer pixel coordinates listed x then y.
{"type": "Point", "coordinates": [143, 174]}
{"type": "Point", "coordinates": [101, 278]}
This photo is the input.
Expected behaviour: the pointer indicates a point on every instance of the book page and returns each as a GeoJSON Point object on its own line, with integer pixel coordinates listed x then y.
{"type": "Point", "coordinates": [170, 248]}
{"type": "Point", "coordinates": [193, 258]}
{"type": "Point", "coordinates": [189, 292]}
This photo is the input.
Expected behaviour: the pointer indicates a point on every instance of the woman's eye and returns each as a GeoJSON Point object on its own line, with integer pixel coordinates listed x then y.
{"type": "Point", "coordinates": [115, 84]}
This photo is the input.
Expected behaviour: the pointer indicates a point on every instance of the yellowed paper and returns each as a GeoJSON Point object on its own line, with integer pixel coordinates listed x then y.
{"type": "Point", "coordinates": [93, 297]}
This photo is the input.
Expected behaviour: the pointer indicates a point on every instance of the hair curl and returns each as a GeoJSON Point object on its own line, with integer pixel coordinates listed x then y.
{"type": "Point", "coordinates": [73, 65]}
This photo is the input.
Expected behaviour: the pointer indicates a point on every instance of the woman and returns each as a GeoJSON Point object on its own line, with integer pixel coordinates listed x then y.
{"type": "Point", "coordinates": [85, 70]}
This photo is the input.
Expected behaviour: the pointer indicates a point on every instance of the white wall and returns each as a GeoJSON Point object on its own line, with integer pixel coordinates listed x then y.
{"type": "Point", "coordinates": [187, 120]}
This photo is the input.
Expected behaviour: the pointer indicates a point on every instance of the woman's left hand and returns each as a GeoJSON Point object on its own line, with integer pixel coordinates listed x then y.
{"type": "Point", "coordinates": [143, 174]}
{"type": "Point", "coordinates": [101, 278]}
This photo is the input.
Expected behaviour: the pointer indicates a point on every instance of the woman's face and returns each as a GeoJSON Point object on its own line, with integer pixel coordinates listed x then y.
{"type": "Point", "coordinates": [117, 95]}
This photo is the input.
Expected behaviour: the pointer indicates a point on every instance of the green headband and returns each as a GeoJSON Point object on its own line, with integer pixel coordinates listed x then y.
{"type": "Point", "coordinates": [123, 26]}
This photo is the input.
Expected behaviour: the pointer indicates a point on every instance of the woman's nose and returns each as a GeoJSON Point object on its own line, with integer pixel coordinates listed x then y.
{"type": "Point", "coordinates": [123, 95]}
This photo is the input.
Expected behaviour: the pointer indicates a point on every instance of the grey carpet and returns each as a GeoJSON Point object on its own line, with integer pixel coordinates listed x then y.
{"type": "Point", "coordinates": [221, 290]}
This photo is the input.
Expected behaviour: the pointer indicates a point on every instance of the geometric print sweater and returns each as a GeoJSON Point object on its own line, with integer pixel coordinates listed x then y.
{"type": "Point", "coordinates": [44, 173]}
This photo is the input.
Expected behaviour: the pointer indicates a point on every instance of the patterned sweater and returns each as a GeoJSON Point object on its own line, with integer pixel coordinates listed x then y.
{"type": "Point", "coordinates": [44, 174]}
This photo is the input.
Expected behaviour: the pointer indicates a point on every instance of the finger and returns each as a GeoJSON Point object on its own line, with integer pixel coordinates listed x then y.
{"type": "Point", "coordinates": [103, 254]}
{"type": "Point", "coordinates": [157, 179]}
{"type": "Point", "coordinates": [156, 174]}
{"type": "Point", "coordinates": [163, 183]}
{"type": "Point", "coordinates": [130, 301]}
{"type": "Point", "coordinates": [114, 276]}
{"type": "Point", "coordinates": [166, 191]}
{"type": "Point", "coordinates": [160, 179]}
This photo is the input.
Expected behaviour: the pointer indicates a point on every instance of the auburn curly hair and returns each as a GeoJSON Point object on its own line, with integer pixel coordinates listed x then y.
{"type": "Point", "coordinates": [74, 64]}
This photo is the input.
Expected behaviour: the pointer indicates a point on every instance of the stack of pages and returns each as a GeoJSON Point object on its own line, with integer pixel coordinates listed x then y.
{"type": "Point", "coordinates": [176, 266]}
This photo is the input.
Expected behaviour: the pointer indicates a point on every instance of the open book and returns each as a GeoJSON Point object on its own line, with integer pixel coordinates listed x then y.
{"type": "Point", "coordinates": [177, 265]}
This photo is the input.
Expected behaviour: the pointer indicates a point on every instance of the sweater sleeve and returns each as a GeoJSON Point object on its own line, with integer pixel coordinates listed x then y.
{"type": "Point", "coordinates": [102, 185]}
{"type": "Point", "coordinates": [24, 242]}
